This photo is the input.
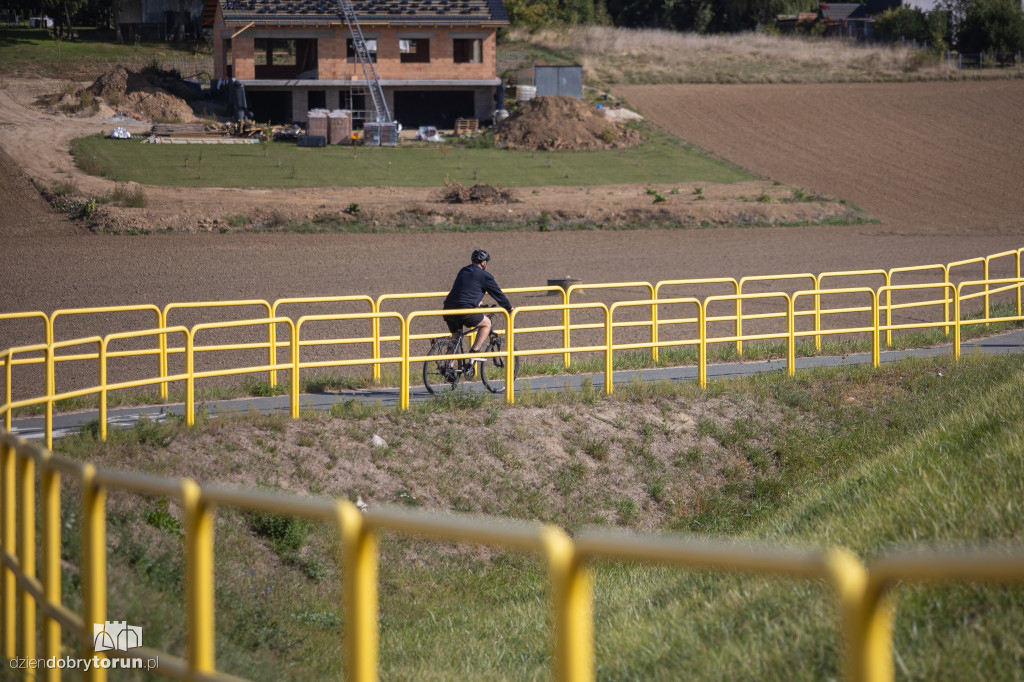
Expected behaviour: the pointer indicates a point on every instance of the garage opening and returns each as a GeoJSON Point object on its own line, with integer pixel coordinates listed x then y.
{"type": "Point", "coordinates": [270, 106]}
{"type": "Point", "coordinates": [414, 108]}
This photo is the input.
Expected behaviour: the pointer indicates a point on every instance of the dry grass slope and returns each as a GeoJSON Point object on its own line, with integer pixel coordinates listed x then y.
{"type": "Point", "coordinates": [641, 56]}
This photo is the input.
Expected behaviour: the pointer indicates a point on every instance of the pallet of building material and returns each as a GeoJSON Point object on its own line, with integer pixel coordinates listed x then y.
{"type": "Point", "coordinates": [466, 126]}
{"type": "Point", "coordinates": [183, 130]}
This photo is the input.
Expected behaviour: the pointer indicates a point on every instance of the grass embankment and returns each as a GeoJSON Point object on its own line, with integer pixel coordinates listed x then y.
{"type": "Point", "coordinates": [282, 164]}
{"type": "Point", "coordinates": [915, 453]}
{"type": "Point", "coordinates": [30, 52]}
{"type": "Point", "coordinates": [612, 56]}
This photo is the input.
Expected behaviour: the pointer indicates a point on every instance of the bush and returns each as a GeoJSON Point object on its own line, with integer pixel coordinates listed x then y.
{"type": "Point", "coordinates": [992, 26]}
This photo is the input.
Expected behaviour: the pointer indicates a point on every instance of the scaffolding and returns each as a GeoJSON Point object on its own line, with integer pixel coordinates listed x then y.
{"type": "Point", "coordinates": [380, 105]}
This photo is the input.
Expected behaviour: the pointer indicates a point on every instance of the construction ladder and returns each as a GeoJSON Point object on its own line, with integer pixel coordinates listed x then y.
{"type": "Point", "coordinates": [380, 105]}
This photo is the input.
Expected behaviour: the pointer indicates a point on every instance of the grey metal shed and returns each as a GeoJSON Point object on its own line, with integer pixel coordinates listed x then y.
{"type": "Point", "coordinates": [559, 80]}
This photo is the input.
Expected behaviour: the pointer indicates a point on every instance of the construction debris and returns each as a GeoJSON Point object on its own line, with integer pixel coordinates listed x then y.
{"type": "Point", "coordinates": [562, 123]}
{"type": "Point", "coordinates": [455, 193]}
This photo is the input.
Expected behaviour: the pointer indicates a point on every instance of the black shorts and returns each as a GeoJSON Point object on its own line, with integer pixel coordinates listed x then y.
{"type": "Point", "coordinates": [457, 322]}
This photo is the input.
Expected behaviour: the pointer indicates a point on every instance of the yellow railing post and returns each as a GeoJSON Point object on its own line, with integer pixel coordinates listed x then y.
{"type": "Point", "coordinates": [608, 358]}
{"type": "Point", "coordinates": [49, 394]}
{"type": "Point", "coordinates": [654, 325]}
{"type": "Point", "coordinates": [293, 359]}
{"type": "Point", "coordinates": [375, 346]}
{"type": "Point", "coordinates": [984, 275]}
{"type": "Point", "coordinates": [271, 350]}
{"type": "Point", "coordinates": [359, 594]}
{"type": "Point", "coordinates": [510, 367]}
{"type": "Point", "coordinates": [876, 352]}
{"type": "Point", "coordinates": [791, 322]}
{"type": "Point", "coordinates": [199, 587]}
{"type": "Point", "coordinates": [26, 515]}
{"type": "Point", "coordinates": [8, 534]}
{"type": "Point", "coordinates": [956, 325]}
{"type": "Point", "coordinates": [702, 347]}
{"type": "Point", "coordinates": [190, 380]}
{"type": "Point", "coordinates": [8, 385]}
{"type": "Point", "coordinates": [94, 565]}
{"type": "Point", "coordinates": [566, 327]}
{"type": "Point", "coordinates": [51, 532]}
{"type": "Point", "coordinates": [1019, 287]}
{"type": "Point", "coordinates": [404, 369]}
{"type": "Point", "coordinates": [162, 321]}
{"type": "Point", "coordinates": [102, 407]}
{"type": "Point", "coordinates": [866, 626]}
{"type": "Point", "coordinates": [572, 602]}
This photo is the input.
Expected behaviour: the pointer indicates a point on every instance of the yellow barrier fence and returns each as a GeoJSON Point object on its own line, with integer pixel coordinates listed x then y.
{"type": "Point", "coordinates": [1004, 260]}
{"type": "Point", "coordinates": [31, 606]}
{"type": "Point", "coordinates": [776, 307]}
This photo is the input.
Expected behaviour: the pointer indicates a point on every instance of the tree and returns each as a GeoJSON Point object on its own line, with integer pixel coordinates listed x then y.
{"type": "Point", "coordinates": [992, 26]}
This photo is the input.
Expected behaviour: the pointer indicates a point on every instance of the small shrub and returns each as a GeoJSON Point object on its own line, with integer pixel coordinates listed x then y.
{"type": "Point", "coordinates": [353, 209]}
{"type": "Point", "coordinates": [162, 519]}
{"type": "Point", "coordinates": [285, 533]}
{"type": "Point", "coordinates": [658, 198]}
{"type": "Point", "coordinates": [607, 135]}
{"type": "Point", "coordinates": [62, 188]}
{"type": "Point", "coordinates": [126, 195]}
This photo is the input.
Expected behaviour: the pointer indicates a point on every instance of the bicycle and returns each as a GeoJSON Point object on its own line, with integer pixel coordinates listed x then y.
{"type": "Point", "coordinates": [442, 375]}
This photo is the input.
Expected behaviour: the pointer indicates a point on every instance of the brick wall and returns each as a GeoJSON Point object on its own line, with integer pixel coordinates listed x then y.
{"type": "Point", "coordinates": [333, 63]}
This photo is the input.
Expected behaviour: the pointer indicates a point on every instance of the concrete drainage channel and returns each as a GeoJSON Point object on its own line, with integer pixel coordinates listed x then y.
{"type": "Point", "coordinates": [33, 428]}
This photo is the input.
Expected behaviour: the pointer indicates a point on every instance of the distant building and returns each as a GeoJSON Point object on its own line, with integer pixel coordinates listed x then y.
{"type": "Point", "coordinates": [843, 19]}
{"type": "Point", "coordinates": [436, 59]}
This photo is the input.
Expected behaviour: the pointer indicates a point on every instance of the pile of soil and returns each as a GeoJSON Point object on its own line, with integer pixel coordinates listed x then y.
{"type": "Point", "coordinates": [132, 93]}
{"type": "Point", "coordinates": [455, 193]}
{"type": "Point", "coordinates": [562, 123]}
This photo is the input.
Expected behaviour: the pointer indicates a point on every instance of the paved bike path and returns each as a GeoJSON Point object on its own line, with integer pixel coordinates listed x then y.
{"type": "Point", "coordinates": [32, 428]}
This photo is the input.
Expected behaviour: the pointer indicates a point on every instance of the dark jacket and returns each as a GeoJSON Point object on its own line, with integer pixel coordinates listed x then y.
{"type": "Point", "coordinates": [469, 288]}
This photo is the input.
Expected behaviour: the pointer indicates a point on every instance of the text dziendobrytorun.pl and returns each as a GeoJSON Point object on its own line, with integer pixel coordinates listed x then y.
{"type": "Point", "coordinates": [84, 664]}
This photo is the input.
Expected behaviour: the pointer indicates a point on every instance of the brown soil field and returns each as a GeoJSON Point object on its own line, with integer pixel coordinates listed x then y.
{"type": "Point", "coordinates": [939, 164]}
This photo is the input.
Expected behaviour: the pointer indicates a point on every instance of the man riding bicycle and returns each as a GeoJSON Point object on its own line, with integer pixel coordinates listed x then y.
{"type": "Point", "coordinates": [472, 282]}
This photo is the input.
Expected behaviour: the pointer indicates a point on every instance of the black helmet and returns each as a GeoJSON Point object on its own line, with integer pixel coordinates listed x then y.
{"type": "Point", "coordinates": [479, 256]}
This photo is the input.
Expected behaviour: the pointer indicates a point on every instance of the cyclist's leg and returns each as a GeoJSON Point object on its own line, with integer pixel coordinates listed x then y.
{"type": "Point", "coordinates": [483, 330]}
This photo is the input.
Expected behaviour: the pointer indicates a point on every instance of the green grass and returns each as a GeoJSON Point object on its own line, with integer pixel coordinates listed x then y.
{"type": "Point", "coordinates": [286, 165]}
{"type": "Point", "coordinates": [929, 453]}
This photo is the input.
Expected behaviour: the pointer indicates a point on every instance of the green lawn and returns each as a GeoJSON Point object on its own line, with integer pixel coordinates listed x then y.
{"type": "Point", "coordinates": [283, 164]}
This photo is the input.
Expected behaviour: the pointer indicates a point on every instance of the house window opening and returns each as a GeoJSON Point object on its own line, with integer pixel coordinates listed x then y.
{"type": "Point", "coordinates": [350, 50]}
{"type": "Point", "coordinates": [285, 58]}
{"type": "Point", "coordinates": [271, 52]}
{"type": "Point", "coordinates": [414, 50]}
{"type": "Point", "coordinates": [467, 50]}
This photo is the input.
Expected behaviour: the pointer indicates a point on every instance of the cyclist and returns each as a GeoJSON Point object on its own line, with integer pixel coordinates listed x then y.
{"type": "Point", "coordinates": [472, 282]}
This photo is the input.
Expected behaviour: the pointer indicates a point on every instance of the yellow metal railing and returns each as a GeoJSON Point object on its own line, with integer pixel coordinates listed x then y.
{"type": "Point", "coordinates": [31, 606]}
{"type": "Point", "coordinates": [653, 291]}
{"type": "Point", "coordinates": [776, 307]}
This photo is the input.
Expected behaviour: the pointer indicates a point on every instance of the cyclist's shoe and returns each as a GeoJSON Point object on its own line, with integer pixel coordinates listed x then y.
{"type": "Point", "coordinates": [472, 364]}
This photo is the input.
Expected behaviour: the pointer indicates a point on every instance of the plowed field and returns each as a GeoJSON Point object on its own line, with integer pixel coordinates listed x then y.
{"type": "Point", "coordinates": [940, 164]}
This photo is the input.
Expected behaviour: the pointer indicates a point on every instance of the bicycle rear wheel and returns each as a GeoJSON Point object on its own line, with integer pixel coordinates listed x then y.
{"type": "Point", "coordinates": [442, 374]}
{"type": "Point", "coordinates": [493, 374]}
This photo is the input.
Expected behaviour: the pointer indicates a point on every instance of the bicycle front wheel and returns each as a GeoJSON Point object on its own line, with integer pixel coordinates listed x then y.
{"type": "Point", "coordinates": [441, 374]}
{"type": "Point", "coordinates": [493, 374]}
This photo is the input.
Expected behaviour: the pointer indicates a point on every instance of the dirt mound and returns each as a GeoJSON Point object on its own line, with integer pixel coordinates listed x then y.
{"type": "Point", "coordinates": [119, 82]}
{"type": "Point", "coordinates": [132, 93]}
{"type": "Point", "coordinates": [455, 193]}
{"type": "Point", "coordinates": [562, 123]}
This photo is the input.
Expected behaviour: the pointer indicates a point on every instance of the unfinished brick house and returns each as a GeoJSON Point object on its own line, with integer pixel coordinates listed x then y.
{"type": "Point", "coordinates": [435, 59]}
